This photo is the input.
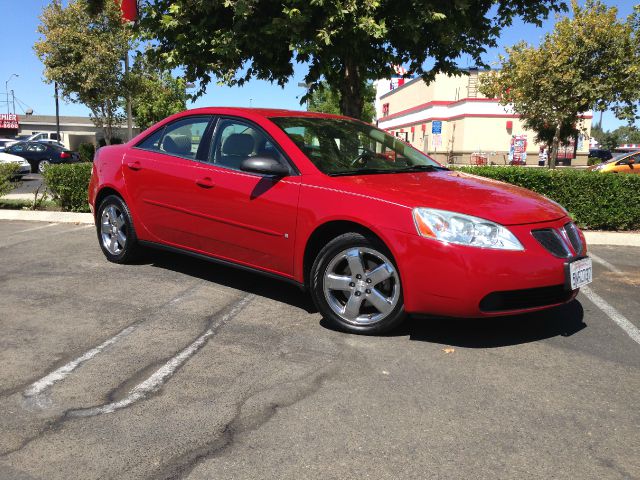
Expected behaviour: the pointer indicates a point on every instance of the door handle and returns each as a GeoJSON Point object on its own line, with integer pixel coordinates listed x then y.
{"type": "Point", "coordinates": [205, 182]}
{"type": "Point", "coordinates": [134, 165]}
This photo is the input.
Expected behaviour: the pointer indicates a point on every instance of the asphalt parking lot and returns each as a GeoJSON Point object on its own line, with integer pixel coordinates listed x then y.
{"type": "Point", "coordinates": [176, 368]}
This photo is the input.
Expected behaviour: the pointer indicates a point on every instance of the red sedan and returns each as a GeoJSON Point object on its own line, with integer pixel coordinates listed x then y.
{"type": "Point", "coordinates": [373, 228]}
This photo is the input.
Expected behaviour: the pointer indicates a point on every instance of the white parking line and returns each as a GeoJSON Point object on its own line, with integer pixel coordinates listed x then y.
{"type": "Point", "coordinates": [160, 376]}
{"type": "Point", "coordinates": [604, 263]}
{"type": "Point", "coordinates": [34, 228]}
{"type": "Point", "coordinates": [45, 382]}
{"type": "Point", "coordinates": [47, 237]}
{"type": "Point", "coordinates": [612, 313]}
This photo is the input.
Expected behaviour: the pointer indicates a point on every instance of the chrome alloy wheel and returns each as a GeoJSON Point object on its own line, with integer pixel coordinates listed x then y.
{"type": "Point", "coordinates": [113, 230]}
{"type": "Point", "coordinates": [361, 286]}
{"type": "Point", "coordinates": [42, 166]}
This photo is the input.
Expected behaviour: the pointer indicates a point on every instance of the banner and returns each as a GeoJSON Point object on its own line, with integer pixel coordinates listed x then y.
{"type": "Point", "coordinates": [129, 10]}
{"type": "Point", "coordinates": [9, 121]}
{"type": "Point", "coordinates": [518, 150]}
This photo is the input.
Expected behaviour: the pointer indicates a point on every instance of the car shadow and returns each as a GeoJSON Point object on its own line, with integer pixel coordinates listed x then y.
{"type": "Point", "coordinates": [250, 282]}
{"type": "Point", "coordinates": [564, 320]}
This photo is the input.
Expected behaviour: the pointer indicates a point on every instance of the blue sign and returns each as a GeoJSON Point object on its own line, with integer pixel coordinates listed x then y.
{"type": "Point", "coordinates": [436, 126]}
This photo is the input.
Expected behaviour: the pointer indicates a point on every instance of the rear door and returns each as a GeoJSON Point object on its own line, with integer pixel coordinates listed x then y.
{"type": "Point", "coordinates": [166, 180]}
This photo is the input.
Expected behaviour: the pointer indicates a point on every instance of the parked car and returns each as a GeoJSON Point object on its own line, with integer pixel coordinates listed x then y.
{"type": "Point", "coordinates": [603, 155]}
{"type": "Point", "coordinates": [39, 154]}
{"type": "Point", "coordinates": [628, 162]}
{"type": "Point", "coordinates": [24, 165]}
{"type": "Point", "coordinates": [314, 199]}
{"type": "Point", "coordinates": [4, 142]}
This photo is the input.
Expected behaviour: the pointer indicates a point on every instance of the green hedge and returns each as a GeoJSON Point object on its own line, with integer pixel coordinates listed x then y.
{"type": "Point", "coordinates": [598, 201]}
{"type": "Point", "coordinates": [69, 184]}
{"type": "Point", "coordinates": [86, 151]}
{"type": "Point", "coordinates": [7, 172]}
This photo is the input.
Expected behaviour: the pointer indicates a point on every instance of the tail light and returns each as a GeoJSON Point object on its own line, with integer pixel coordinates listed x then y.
{"type": "Point", "coordinates": [65, 155]}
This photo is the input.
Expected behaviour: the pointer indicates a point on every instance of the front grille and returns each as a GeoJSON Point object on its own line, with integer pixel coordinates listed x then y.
{"type": "Point", "coordinates": [552, 241]}
{"type": "Point", "coordinates": [523, 299]}
{"type": "Point", "coordinates": [574, 237]}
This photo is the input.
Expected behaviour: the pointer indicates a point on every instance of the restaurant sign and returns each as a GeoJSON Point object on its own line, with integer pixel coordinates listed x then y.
{"type": "Point", "coordinates": [9, 121]}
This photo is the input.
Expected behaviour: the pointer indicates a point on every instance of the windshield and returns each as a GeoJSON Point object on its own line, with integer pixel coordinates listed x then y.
{"type": "Point", "coordinates": [347, 147]}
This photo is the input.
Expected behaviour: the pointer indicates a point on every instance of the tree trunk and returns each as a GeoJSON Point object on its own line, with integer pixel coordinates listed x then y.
{"type": "Point", "coordinates": [351, 102]}
{"type": "Point", "coordinates": [553, 156]}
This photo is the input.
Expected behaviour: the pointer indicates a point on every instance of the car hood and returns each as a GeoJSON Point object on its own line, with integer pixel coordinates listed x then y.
{"type": "Point", "coordinates": [459, 192]}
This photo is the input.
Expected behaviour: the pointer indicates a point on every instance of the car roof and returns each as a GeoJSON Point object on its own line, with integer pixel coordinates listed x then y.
{"type": "Point", "coordinates": [263, 112]}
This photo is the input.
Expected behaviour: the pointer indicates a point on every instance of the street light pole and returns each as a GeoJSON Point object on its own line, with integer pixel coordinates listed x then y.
{"type": "Point", "coordinates": [55, 86]}
{"type": "Point", "coordinates": [6, 89]}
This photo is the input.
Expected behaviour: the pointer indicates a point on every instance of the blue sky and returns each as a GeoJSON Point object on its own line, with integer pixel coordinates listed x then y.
{"type": "Point", "coordinates": [19, 34]}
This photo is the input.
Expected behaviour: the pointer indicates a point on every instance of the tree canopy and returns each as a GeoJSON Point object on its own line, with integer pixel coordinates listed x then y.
{"type": "Point", "coordinates": [156, 93]}
{"type": "Point", "coordinates": [591, 58]}
{"type": "Point", "coordinates": [344, 42]}
{"type": "Point", "coordinates": [83, 53]}
{"type": "Point", "coordinates": [327, 100]}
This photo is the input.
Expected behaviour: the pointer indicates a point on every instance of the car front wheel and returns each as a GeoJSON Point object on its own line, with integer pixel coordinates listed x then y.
{"type": "Point", "coordinates": [356, 285]}
{"type": "Point", "coordinates": [115, 230]}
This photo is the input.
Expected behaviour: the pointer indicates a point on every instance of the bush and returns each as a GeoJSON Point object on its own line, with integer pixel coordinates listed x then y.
{"type": "Point", "coordinates": [594, 160]}
{"type": "Point", "coordinates": [7, 172]}
{"type": "Point", "coordinates": [601, 201]}
{"type": "Point", "coordinates": [69, 184]}
{"type": "Point", "coordinates": [86, 151]}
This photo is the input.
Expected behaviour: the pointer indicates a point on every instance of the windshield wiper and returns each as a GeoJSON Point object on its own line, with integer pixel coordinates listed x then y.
{"type": "Point", "coordinates": [360, 171]}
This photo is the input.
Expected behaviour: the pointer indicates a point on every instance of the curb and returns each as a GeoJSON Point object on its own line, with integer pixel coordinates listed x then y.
{"type": "Point", "coordinates": [613, 238]}
{"type": "Point", "coordinates": [593, 238]}
{"type": "Point", "coordinates": [52, 217]}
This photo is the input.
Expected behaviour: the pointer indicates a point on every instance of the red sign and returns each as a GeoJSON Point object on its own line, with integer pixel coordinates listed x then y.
{"type": "Point", "coordinates": [9, 120]}
{"type": "Point", "coordinates": [567, 151]}
{"type": "Point", "coordinates": [129, 10]}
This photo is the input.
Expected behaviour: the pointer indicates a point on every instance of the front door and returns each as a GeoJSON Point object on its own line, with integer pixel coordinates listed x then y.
{"type": "Point", "coordinates": [252, 217]}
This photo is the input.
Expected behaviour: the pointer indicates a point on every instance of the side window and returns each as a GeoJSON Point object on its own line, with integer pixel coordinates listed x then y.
{"type": "Point", "coordinates": [636, 159]}
{"type": "Point", "coordinates": [181, 138]}
{"type": "Point", "coordinates": [152, 142]}
{"type": "Point", "coordinates": [36, 147]}
{"type": "Point", "coordinates": [237, 141]}
{"type": "Point", "coordinates": [17, 148]}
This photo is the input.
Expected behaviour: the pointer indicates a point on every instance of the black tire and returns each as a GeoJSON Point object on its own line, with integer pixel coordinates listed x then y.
{"type": "Point", "coordinates": [131, 249]}
{"type": "Point", "coordinates": [324, 259]}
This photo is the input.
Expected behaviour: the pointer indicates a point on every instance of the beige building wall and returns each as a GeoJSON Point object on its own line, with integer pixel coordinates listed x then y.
{"type": "Point", "coordinates": [472, 125]}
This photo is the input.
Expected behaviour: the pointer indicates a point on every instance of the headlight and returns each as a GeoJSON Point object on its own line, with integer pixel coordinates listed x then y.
{"type": "Point", "coordinates": [452, 227]}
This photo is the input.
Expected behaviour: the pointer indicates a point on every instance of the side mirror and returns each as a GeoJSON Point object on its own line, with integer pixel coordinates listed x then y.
{"type": "Point", "coordinates": [264, 166]}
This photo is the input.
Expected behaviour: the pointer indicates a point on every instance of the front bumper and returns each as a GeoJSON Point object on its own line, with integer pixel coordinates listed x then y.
{"type": "Point", "coordinates": [453, 280]}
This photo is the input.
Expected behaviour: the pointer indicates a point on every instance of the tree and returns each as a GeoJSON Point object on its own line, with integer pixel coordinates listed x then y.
{"type": "Point", "coordinates": [345, 42]}
{"type": "Point", "coordinates": [590, 59]}
{"type": "Point", "coordinates": [327, 100]}
{"type": "Point", "coordinates": [156, 93]}
{"type": "Point", "coordinates": [83, 53]}
{"type": "Point", "coordinates": [612, 139]}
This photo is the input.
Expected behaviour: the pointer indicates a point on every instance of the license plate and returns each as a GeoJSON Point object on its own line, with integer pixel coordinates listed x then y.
{"type": "Point", "coordinates": [580, 273]}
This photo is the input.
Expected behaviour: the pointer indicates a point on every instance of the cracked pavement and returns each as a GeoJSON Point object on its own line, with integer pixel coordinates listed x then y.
{"type": "Point", "coordinates": [223, 374]}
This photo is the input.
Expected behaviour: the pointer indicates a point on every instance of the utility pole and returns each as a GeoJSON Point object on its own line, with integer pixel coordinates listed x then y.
{"type": "Point", "coordinates": [55, 86]}
{"type": "Point", "coordinates": [129, 120]}
{"type": "Point", "coordinates": [13, 97]}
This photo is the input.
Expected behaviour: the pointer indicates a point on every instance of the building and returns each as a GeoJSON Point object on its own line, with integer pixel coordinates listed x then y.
{"type": "Point", "coordinates": [73, 130]}
{"type": "Point", "coordinates": [453, 122]}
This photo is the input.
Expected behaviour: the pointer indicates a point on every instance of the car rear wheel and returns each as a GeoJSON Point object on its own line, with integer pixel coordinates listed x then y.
{"type": "Point", "coordinates": [356, 285]}
{"type": "Point", "coordinates": [115, 230]}
{"type": "Point", "coordinates": [42, 165]}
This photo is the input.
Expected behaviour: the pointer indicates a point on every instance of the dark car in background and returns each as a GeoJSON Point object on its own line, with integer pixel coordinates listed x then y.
{"type": "Point", "coordinates": [39, 154]}
{"type": "Point", "coordinates": [601, 154]}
